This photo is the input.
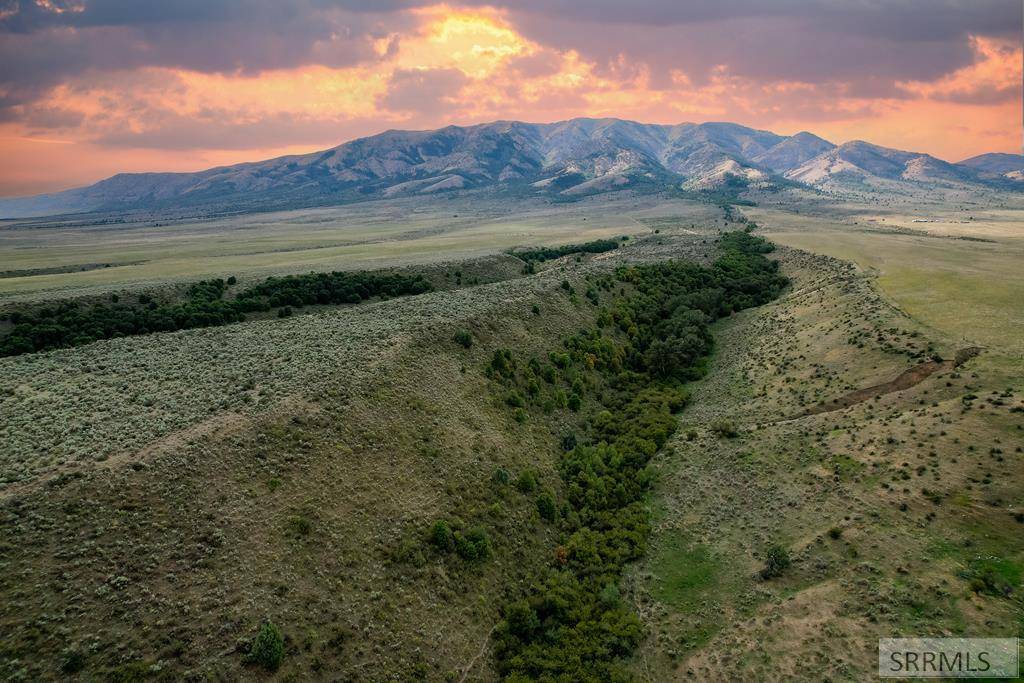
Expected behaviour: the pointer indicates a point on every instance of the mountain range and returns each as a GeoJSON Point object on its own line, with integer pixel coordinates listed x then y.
{"type": "Point", "coordinates": [570, 158]}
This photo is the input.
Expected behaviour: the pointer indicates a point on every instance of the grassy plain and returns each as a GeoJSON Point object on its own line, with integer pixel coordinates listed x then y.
{"type": "Point", "coordinates": [360, 236]}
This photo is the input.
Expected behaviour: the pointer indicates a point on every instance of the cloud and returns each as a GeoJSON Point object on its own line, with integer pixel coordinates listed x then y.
{"type": "Point", "coordinates": [213, 77]}
{"type": "Point", "coordinates": [41, 48]}
{"type": "Point", "coordinates": [425, 91]}
{"type": "Point", "coordinates": [216, 129]}
{"type": "Point", "coordinates": [994, 77]}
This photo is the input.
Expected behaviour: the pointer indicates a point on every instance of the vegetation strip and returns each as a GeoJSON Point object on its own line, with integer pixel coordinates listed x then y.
{"type": "Point", "coordinates": [572, 624]}
{"type": "Point", "coordinates": [549, 253]}
{"type": "Point", "coordinates": [70, 324]}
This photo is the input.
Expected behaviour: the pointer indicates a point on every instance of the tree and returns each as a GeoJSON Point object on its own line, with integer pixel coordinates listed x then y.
{"type": "Point", "coordinates": [776, 562]}
{"type": "Point", "coordinates": [546, 507]}
{"type": "Point", "coordinates": [464, 338]}
{"type": "Point", "coordinates": [268, 647]}
{"type": "Point", "coordinates": [442, 537]}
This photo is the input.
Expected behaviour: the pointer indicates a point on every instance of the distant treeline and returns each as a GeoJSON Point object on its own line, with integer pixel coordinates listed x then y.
{"type": "Point", "coordinates": [548, 253]}
{"type": "Point", "coordinates": [72, 324]}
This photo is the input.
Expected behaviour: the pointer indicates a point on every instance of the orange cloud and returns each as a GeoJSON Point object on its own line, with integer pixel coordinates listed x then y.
{"type": "Point", "coordinates": [464, 66]}
{"type": "Point", "coordinates": [995, 75]}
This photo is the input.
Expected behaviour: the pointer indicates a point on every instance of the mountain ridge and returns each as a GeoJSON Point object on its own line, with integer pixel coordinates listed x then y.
{"type": "Point", "coordinates": [566, 158]}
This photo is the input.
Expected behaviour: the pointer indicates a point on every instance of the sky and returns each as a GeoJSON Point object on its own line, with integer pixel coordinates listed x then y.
{"type": "Point", "coordinates": [89, 88]}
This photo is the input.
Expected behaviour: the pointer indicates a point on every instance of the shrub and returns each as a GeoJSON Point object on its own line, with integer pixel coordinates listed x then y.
{"type": "Point", "coordinates": [526, 482]}
{"type": "Point", "coordinates": [725, 428]}
{"type": "Point", "coordinates": [441, 536]}
{"type": "Point", "coordinates": [202, 305]}
{"type": "Point", "coordinates": [299, 526]}
{"type": "Point", "coordinates": [501, 477]}
{"type": "Point", "coordinates": [546, 507]}
{"type": "Point", "coordinates": [503, 364]}
{"type": "Point", "coordinates": [72, 661]}
{"type": "Point", "coordinates": [835, 532]}
{"type": "Point", "coordinates": [775, 563]}
{"type": "Point", "coordinates": [268, 647]}
{"type": "Point", "coordinates": [474, 545]}
{"type": "Point", "coordinates": [574, 402]}
{"type": "Point", "coordinates": [464, 338]}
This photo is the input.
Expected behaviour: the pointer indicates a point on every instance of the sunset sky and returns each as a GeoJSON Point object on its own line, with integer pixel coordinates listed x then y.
{"type": "Point", "coordinates": [89, 88]}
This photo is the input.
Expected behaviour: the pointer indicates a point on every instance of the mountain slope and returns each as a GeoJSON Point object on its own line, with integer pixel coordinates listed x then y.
{"type": "Point", "coordinates": [861, 162]}
{"type": "Point", "coordinates": [575, 157]}
{"type": "Point", "coordinates": [995, 162]}
{"type": "Point", "coordinates": [793, 152]}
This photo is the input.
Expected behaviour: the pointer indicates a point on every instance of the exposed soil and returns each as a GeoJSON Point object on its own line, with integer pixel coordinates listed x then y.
{"type": "Point", "coordinates": [906, 379]}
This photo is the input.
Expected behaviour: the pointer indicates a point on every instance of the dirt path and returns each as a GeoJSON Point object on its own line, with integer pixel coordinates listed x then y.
{"type": "Point", "coordinates": [906, 379]}
{"type": "Point", "coordinates": [483, 649]}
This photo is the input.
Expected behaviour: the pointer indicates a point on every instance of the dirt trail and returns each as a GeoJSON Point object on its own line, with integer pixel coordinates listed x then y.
{"type": "Point", "coordinates": [905, 380]}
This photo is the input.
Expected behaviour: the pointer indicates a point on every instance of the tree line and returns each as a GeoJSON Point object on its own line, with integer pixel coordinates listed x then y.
{"type": "Point", "coordinates": [204, 304]}
{"type": "Point", "coordinates": [571, 624]}
{"type": "Point", "coordinates": [549, 253]}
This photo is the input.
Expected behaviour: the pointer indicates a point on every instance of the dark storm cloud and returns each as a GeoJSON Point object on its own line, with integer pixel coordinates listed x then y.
{"type": "Point", "coordinates": [897, 19]}
{"type": "Point", "coordinates": [822, 43]}
{"type": "Point", "coordinates": [41, 47]}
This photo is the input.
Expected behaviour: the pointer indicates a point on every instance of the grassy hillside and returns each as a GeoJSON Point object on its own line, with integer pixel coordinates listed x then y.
{"type": "Point", "coordinates": [900, 515]}
{"type": "Point", "coordinates": [287, 470]}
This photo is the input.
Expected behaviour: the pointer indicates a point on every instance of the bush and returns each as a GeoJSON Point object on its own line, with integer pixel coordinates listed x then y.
{"type": "Point", "coordinates": [299, 526]}
{"type": "Point", "coordinates": [72, 661]}
{"type": "Point", "coordinates": [526, 482]}
{"type": "Point", "coordinates": [775, 563]}
{"type": "Point", "coordinates": [268, 648]}
{"type": "Point", "coordinates": [546, 507]}
{"type": "Point", "coordinates": [441, 536]}
{"type": "Point", "coordinates": [835, 532]}
{"type": "Point", "coordinates": [464, 338]}
{"type": "Point", "coordinates": [474, 545]}
{"type": "Point", "coordinates": [725, 428]}
{"type": "Point", "coordinates": [203, 305]}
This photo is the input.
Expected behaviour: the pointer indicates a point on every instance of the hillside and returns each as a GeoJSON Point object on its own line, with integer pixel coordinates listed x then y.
{"type": "Point", "coordinates": [570, 158]}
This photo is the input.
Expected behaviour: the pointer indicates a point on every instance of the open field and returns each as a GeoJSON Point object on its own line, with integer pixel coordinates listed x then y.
{"type": "Point", "coordinates": [359, 236]}
{"type": "Point", "coordinates": [969, 291]}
